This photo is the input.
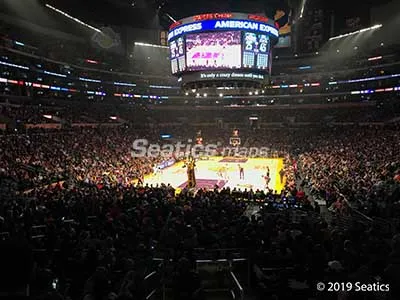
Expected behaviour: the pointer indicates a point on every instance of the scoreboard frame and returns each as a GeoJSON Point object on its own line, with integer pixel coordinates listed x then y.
{"type": "Point", "coordinates": [221, 22]}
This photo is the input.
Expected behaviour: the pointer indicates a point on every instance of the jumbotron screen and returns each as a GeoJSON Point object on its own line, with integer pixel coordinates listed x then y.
{"type": "Point", "coordinates": [218, 42]}
{"type": "Point", "coordinates": [213, 50]}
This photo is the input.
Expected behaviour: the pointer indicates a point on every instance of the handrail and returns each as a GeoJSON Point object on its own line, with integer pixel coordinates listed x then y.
{"type": "Point", "coordinates": [220, 260]}
{"type": "Point", "coordinates": [151, 294]}
{"type": "Point", "coordinates": [158, 259]}
{"type": "Point", "coordinates": [40, 236]}
{"type": "Point", "coordinates": [236, 281]}
{"type": "Point", "coordinates": [154, 290]}
{"type": "Point", "coordinates": [239, 259]}
{"type": "Point", "coordinates": [39, 227]}
{"type": "Point", "coordinates": [369, 219]}
{"type": "Point", "coordinates": [150, 275]}
{"type": "Point", "coordinates": [233, 294]}
{"type": "Point", "coordinates": [351, 206]}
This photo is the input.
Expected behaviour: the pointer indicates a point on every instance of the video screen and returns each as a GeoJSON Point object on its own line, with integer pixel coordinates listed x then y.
{"type": "Point", "coordinates": [181, 47]}
{"type": "Point", "coordinates": [173, 49]}
{"type": "Point", "coordinates": [214, 50]}
{"type": "Point", "coordinates": [176, 48]}
{"type": "Point", "coordinates": [174, 66]}
{"type": "Point", "coordinates": [181, 64]}
{"type": "Point", "coordinates": [177, 54]}
{"type": "Point", "coordinates": [263, 52]}
{"type": "Point", "coordinates": [255, 50]}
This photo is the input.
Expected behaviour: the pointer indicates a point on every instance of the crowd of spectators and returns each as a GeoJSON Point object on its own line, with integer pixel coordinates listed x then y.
{"type": "Point", "coordinates": [18, 110]}
{"type": "Point", "coordinates": [361, 166]}
{"type": "Point", "coordinates": [95, 218]}
{"type": "Point", "coordinates": [95, 157]}
{"type": "Point", "coordinates": [27, 114]}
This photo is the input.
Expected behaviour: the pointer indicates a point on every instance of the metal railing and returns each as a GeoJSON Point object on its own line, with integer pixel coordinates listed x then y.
{"type": "Point", "coordinates": [153, 290]}
{"type": "Point", "coordinates": [229, 263]}
{"type": "Point", "coordinates": [154, 282]}
{"type": "Point", "coordinates": [200, 261]}
{"type": "Point", "coordinates": [237, 286]}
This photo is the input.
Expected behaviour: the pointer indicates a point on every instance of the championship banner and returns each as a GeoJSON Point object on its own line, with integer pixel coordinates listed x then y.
{"type": "Point", "coordinates": [282, 18]}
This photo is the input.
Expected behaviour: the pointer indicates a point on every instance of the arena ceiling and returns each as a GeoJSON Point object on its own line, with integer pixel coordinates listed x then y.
{"type": "Point", "coordinates": [141, 13]}
{"type": "Point", "coordinates": [138, 13]}
{"type": "Point", "coordinates": [153, 13]}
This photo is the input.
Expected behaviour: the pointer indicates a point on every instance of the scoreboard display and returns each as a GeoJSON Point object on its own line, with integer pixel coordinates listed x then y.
{"type": "Point", "coordinates": [256, 51]}
{"type": "Point", "coordinates": [177, 55]}
{"type": "Point", "coordinates": [213, 50]}
{"type": "Point", "coordinates": [222, 42]}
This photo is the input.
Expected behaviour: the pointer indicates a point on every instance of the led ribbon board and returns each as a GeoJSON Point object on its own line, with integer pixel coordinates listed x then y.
{"type": "Point", "coordinates": [209, 25]}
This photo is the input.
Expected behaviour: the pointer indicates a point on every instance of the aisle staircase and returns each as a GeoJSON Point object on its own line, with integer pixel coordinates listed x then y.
{"type": "Point", "coordinates": [221, 279]}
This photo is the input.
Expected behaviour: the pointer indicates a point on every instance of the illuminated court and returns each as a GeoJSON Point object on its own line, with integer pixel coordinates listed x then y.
{"type": "Point", "coordinates": [224, 172]}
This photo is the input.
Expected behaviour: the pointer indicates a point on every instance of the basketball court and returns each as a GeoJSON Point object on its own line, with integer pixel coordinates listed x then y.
{"type": "Point", "coordinates": [224, 172]}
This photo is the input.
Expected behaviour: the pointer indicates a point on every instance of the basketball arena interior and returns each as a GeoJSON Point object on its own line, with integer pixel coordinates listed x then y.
{"type": "Point", "coordinates": [167, 150]}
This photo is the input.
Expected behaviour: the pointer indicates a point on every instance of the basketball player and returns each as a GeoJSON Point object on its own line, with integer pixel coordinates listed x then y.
{"type": "Point", "coordinates": [267, 181]}
{"type": "Point", "coordinates": [282, 174]}
{"type": "Point", "coordinates": [140, 178]}
{"type": "Point", "coordinates": [267, 178]}
{"type": "Point", "coordinates": [222, 173]}
{"type": "Point", "coordinates": [226, 169]}
{"type": "Point", "coordinates": [219, 173]}
{"type": "Point", "coordinates": [241, 172]}
{"type": "Point", "coordinates": [156, 170]}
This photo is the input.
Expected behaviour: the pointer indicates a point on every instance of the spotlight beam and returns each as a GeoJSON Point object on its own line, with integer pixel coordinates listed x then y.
{"type": "Point", "coordinates": [73, 18]}
{"type": "Point", "coordinates": [171, 18]}
{"type": "Point", "coordinates": [356, 32]}
{"type": "Point", "coordinates": [150, 45]}
{"type": "Point", "coordinates": [303, 5]}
